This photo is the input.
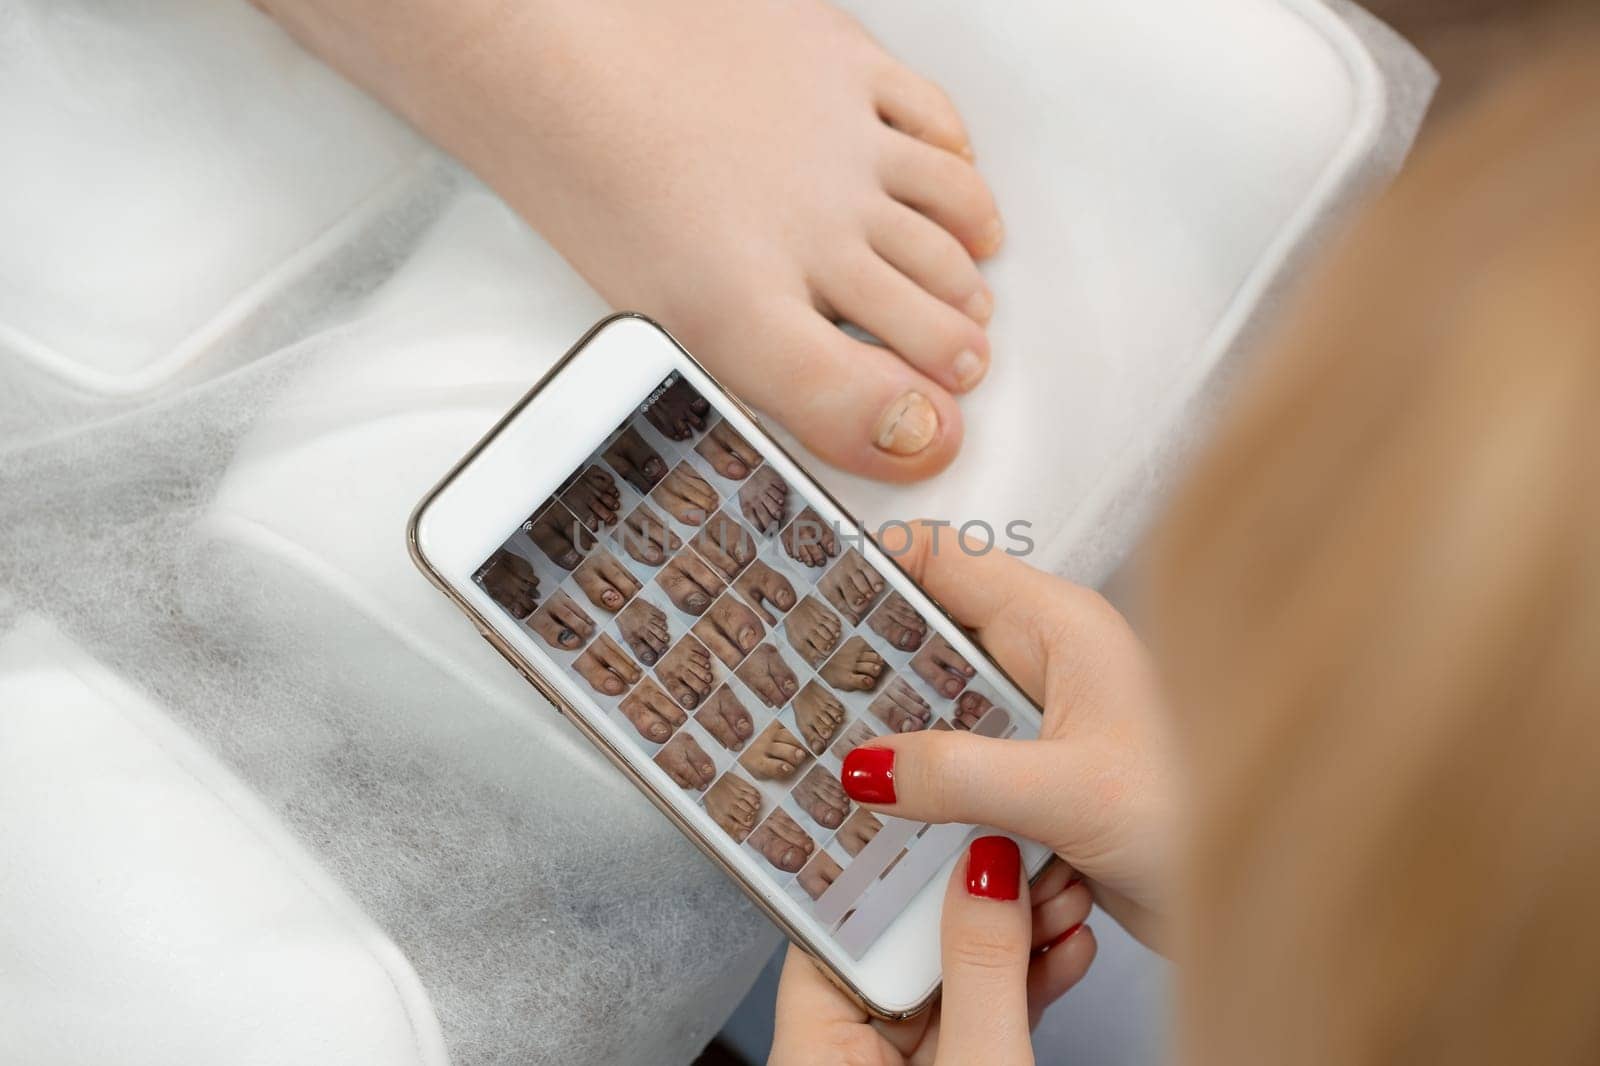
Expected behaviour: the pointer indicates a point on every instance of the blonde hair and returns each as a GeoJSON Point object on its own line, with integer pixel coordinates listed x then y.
{"type": "Point", "coordinates": [1377, 604]}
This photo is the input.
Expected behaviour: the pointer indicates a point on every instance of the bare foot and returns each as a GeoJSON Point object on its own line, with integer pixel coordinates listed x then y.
{"type": "Point", "coordinates": [690, 584]}
{"type": "Point", "coordinates": [730, 629]}
{"type": "Point", "coordinates": [774, 755]}
{"type": "Point", "coordinates": [685, 495]}
{"type": "Point", "coordinates": [607, 667]}
{"type": "Point", "coordinates": [900, 708]}
{"type": "Point", "coordinates": [725, 544]}
{"type": "Point", "coordinates": [686, 672]}
{"type": "Point", "coordinates": [768, 676]}
{"type": "Point", "coordinates": [510, 581]}
{"type": "Point", "coordinates": [852, 738]}
{"type": "Point", "coordinates": [858, 831]}
{"type": "Point", "coordinates": [854, 667]}
{"type": "Point", "coordinates": [726, 719]}
{"type": "Point", "coordinates": [766, 589]}
{"type": "Point", "coordinates": [606, 582]}
{"type": "Point", "coordinates": [560, 535]}
{"type": "Point", "coordinates": [645, 535]}
{"type": "Point", "coordinates": [809, 540]}
{"type": "Point", "coordinates": [562, 623]}
{"type": "Point", "coordinates": [593, 498]}
{"type": "Point", "coordinates": [686, 762]}
{"type": "Point", "coordinates": [734, 804]}
{"type": "Point", "coordinates": [942, 668]}
{"type": "Point", "coordinates": [728, 453]}
{"type": "Point", "coordinates": [830, 183]}
{"type": "Point", "coordinates": [644, 626]}
{"type": "Point", "coordinates": [821, 796]}
{"type": "Point", "coordinates": [763, 500]}
{"type": "Point", "coordinates": [899, 623]}
{"type": "Point", "coordinates": [819, 874]}
{"type": "Point", "coordinates": [652, 712]}
{"type": "Point", "coordinates": [813, 630]}
{"type": "Point", "coordinates": [782, 842]}
{"type": "Point", "coordinates": [819, 714]}
{"type": "Point", "coordinates": [680, 412]}
{"type": "Point", "coordinates": [639, 464]}
{"type": "Point", "coordinates": [852, 585]}
{"type": "Point", "coordinates": [972, 708]}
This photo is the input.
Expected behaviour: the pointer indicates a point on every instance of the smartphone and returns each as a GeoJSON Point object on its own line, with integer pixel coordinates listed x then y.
{"type": "Point", "coordinates": [674, 583]}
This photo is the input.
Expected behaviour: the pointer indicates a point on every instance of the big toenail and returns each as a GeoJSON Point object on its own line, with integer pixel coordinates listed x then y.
{"type": "Point", "coordinates": [968, 369]}
{"type": "Point", "coordinates": [908, 426]}
{"type": "Point", "coordinates": [993, 235]}
{"type": "Point", "coordinates": [980, 306]}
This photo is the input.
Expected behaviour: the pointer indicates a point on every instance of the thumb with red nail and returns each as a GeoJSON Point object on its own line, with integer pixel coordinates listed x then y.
{"type": "Point", "coordinates": [1008, 951]}
{"type": "Point", "coordinates": [1095, 786]}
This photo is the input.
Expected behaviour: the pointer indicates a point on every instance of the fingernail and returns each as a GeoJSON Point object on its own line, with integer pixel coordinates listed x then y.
{"type": "Point", "coordinates": [994, 867]}
{"type": "Point", "coordinates": [612, 685]}
{"type": "Point", "coordinates": [980, 306]}
{"type": "Point", "coordinates": [1062, 939]}
{"type": "Point", "coordinates": [968, 370]}
{"type": "Point", "coordinates": [994, 234]}
{"type": "Point", "coordinates": [868, 775]}
{"type": "Point", "coordinates": [908, 426]}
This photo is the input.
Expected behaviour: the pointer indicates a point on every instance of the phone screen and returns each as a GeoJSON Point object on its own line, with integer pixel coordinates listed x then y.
{"type": "Point", "coordinates": [746, 647]}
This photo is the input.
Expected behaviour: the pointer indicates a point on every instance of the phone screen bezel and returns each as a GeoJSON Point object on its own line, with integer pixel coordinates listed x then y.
{"type": "Point", "coordinates": [596, 386]}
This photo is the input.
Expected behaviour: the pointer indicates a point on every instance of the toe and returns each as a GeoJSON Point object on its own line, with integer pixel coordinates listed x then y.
{"type": "Point", "coordinates": [944, 187]}
{"type": "Point", "coordinates": [930, 255]}
{"type": "Point", "coordinates": [918, 108]}
{"type": "Point", "coordinates": [856, 405]}
{"type": "Point", "coordinates": [928, 333]}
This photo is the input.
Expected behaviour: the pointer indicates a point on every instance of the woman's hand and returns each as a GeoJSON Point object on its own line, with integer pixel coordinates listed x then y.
{"type": "Point", "coordinates": [1007, 954]}
{"type": "Point", "coordinates": [1096, 786]}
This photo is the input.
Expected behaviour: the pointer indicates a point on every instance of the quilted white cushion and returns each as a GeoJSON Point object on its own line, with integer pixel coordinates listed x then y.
{"type": "Point", "coordinates": [153, 912]}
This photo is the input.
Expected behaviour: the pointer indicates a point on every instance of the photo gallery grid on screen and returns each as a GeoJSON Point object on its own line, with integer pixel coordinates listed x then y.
{"type": "Point", "coordinates": [746, 647]}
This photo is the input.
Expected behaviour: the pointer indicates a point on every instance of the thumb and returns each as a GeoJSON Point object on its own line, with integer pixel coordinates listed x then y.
{"type": "Point", "coordinates": [1019, 786]}
{"type": "Point", "coordinates": [985, 938]}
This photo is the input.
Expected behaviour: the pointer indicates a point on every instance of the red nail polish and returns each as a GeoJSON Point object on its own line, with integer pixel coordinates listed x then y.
{"type": "Point", "coordinates": [868, 775]}
{"type": "Point", "coordinates": [994, 868]}
{"type": "Point", "coordinates": [1062, 939]}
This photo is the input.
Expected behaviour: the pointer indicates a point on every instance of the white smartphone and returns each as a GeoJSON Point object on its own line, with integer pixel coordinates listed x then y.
{"type": "Point", "coordinates": [672, 581]}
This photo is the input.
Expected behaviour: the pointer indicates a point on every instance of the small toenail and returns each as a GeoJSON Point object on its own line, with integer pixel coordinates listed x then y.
{"type": "Point", "coordinates": [966, 152]}
{"type": "Point", "coordinates": [908, 426]}
{"type": "Point", "coordinates": [981, 306]}
{"type": "Point", "coordinates": [968, 369]}
{"type": "Point", "coordinates": [993, 235]}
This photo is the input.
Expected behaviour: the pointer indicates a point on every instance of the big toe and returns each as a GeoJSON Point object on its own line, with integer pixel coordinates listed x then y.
{"type": "Point", "coordinates": [856, 405]}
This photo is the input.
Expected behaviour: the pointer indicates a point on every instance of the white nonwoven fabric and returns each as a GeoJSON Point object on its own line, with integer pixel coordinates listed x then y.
{"type": "Point", "coordinates": [153, 912]}
{"type": "Point", "coordinates": [220, 519]}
